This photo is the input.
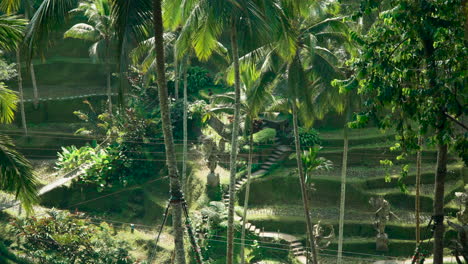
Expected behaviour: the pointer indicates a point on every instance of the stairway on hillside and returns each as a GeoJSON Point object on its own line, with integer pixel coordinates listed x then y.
{"type": "Point", "coordinates": [295, 245]}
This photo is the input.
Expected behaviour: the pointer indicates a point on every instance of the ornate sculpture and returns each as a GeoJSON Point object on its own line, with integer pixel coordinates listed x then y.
{"type": "Point", "coordinates": [382, 215]}
{"type": "Point", "coordinates": [322, 241]}
{"type": "Point", "coordinates": [210, 153]}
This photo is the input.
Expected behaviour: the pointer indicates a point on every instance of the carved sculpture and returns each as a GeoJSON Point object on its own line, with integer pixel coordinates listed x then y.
{"type": "Point", "coordinates": [210, 153]}
{"type": "Point", "coordinates": [382, 215]}
{"type": "Point", "coordinates": [322, 240]}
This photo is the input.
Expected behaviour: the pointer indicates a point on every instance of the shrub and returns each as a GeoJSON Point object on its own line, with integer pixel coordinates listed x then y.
{"type": "Point", "coordinates": [61, 238]}
{"type": "Point", "coordinates": [128, 151]}
{"type": "Point", "coordinates": [264, 136]}
{"type": "Point", "coordinates": [308, 138]}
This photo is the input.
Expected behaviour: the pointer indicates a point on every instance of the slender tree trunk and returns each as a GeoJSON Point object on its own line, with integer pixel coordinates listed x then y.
{"type": "Point", "coordinates": [234, 143]}
{"type": "Point", "coordinates": [168, 139]}
{"type": "Point", "coordinates": [305, 199]}
{"type": "Point", "coordinates": [31, 69]}
{"type": "Point", "coordinates": [185, 132]}
{"type": "Point", "coordinates": [109, 75]}
{"type": "Point", "coordinates": [176, 75]}
{"type": "Point", "coordinates": [247, 193]}
{"type": "Point", "coordinates": [21, 94]}
{"type": "Point", "coordinates": [109, 91]}
{"type": "Point", "coordinates": [417, 208]}
{"type": "Point", "coordinates": [343, 188]}
{"type": "Point", "coordinates": [441, 172]}
{"type": "Point", "coordinates": [34, 83]}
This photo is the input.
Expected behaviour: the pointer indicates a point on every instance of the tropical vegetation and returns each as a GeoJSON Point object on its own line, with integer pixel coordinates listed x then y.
{"type": "Point", "coordinates": [240, 131]}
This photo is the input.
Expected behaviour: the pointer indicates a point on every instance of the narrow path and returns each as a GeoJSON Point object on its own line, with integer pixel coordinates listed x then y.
{"type": "Point", "coordinates": [295, 245]}
{"type": "Point", "coordinates": [49, 187]}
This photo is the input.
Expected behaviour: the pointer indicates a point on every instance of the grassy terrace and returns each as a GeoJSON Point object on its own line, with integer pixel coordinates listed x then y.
{"type": "Point", "coordinates": [275, 199]}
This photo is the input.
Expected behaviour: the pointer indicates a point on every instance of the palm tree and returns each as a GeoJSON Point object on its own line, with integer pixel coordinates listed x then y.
{"type": "Point", "coordinates": [130, 18]}
{"type": "Point", "coordinates": [258, 96]}
{"type": "Point", "coordinates": [208, 19]}
{"type": "Point", "coordinates": [100, 31]}
{"type": "Point", "coordinates": [16, 173]}
{"type": "Point", "coordinates": [167, 131]}
{"type": "Point", "coordinates": [305, 80]}
{"type": "Point", "coordinates": [13, 6]}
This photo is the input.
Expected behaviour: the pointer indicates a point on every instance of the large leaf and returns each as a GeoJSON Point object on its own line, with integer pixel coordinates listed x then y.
{"type": "Point", "coordinates": [82, 31]}
{"type": "Point", "coordinates": [8, 100]}
{"type": "Point", "coordinates": [11, 32]}
{"type": "Point", "coordinates": [50, 15]}
{"type": "Point", "coordinates": [16, 174]}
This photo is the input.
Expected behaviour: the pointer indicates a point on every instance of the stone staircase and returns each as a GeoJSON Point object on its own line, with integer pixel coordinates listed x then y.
{"type": "Point", "coordinates": [296, 247]}
{"type": "Point", "coordinates": [280, 152]}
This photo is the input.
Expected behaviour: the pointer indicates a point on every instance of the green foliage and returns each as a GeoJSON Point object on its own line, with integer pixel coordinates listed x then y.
{"type": "Point", "coordinates": [106, 164]}
{"type": "Point", "coordinates": [264, 136]}
{"type": "Point", "coordinates": [214, 193]}
{"type": "Point", "coordinates": [197, 78]}
{"type": "Point", "coordinates": [7, 70]}
{"type": "Point", "coordinates": [62, 238]}
{"type": "Point", "coordinates": [410, 71]}
{"type": "Point", "coordinates": [128, 154]}
{"type": "Point", "coordinates": [6, 254]}
{"type": "Point", "coordinates": [308, 138]}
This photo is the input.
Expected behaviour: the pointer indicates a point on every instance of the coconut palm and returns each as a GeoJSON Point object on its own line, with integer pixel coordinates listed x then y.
{"type": "Point", "coordinates": [13, 6]}
{"type": "Point", "coordinates": [16, 173]}
{"type": "Point", "coordinates": [203, 27]}
{"type": "Point", "coordinates": [100, 31]}
{"type": "Point", "coordinates": [12, 34]}
{"type": "Point", "coordinates": [130, 18]}
{"type": "Point", "coordinates": [305, 80]}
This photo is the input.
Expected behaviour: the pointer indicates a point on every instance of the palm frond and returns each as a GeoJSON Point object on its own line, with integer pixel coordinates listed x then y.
{"type": "Point", "coordinates": [48, 17]}
{"type": "Point", "coordinates": [97, 51]}
{"type": "Point", "coordinates": [8, 100]}
{"type": "Point", "coordinates": [82, 31]}
{"type": "Point", "coordinates": [130, 23]}
{"type": "Point", "coordinates": [12, 29]}
{"type": "Point", "coordinates": [10, 6]}
{"type": "Point", "coordinates": [16, 174]}
{"type": "Point", "coordinates": [335, 23]}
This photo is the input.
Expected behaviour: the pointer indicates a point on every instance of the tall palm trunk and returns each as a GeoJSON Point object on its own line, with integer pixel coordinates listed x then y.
{"type": "Point", "coordinates": [247, 193]}
{"type": "Point", "coordinates": [176, 75]}
{"type": "Point", "coordinates": [109, 91]}
{"type": "Point", "coordinates": [305, 199]}
{"type": "Point", "coordinates": [21, 94]}
{"type": "Point", "coordinates": [185, 132]}
{"type": "Point", "coordinates": [417, 208]}
{"type": "Point", "coordinates": [168, 139]}
{"type": "Point", "coordinates": [34, 84]}
{"type": "Point", "coordinates": [32, 72]}
{"type": "Point", "coordinates": [108, 79]}
{"type": "Point", "coordinates": [343, 188]}
{"type": "Point", "coordinates": [234, 143]}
